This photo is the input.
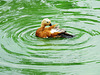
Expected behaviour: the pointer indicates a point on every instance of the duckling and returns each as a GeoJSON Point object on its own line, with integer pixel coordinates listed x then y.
{"type": "Point", "coordinates": [52, 31]}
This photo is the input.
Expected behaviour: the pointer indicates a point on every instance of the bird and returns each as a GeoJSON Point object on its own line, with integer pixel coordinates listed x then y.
{"type": "Point", "coordinates": [53, 31]}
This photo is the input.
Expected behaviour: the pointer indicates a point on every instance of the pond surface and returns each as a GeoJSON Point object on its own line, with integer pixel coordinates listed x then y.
{"type": "Point", "coordinates": [22, 53]}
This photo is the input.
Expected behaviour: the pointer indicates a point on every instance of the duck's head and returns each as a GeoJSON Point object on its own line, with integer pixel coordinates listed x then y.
{"type": "Point", "coordinates": [46, 22]}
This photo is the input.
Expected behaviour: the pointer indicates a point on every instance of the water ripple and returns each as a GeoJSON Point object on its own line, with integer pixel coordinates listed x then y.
{"type": "Point", "coordinates": [21, 49]}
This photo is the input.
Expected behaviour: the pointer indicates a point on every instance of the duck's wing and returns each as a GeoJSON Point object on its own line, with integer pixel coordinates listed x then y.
{"type": "Point", "coordinates": [57, 29]}
{"type": "Point", "coordinates": [66, 35]}
{"type": "Point", "coordinates": [62, 33]}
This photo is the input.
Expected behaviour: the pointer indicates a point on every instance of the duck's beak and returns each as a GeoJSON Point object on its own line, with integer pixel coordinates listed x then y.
{"type": "Point", "coordinates": [50, 24]}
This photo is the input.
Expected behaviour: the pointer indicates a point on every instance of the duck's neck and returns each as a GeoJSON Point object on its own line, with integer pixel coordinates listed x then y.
{"type": "Point", "coordinates": [42, 27]}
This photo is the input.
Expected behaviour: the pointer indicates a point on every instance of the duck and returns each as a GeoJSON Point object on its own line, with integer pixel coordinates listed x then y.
{"type": "Point", "coordinates": [53, 31]}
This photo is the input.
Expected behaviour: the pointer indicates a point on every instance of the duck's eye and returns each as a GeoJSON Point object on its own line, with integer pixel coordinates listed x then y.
{"type": "Point", "coordinates": [47, 22]}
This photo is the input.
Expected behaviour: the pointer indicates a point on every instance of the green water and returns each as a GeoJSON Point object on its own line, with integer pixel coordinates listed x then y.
{"type": "Point", "coordinates": [22, 53]}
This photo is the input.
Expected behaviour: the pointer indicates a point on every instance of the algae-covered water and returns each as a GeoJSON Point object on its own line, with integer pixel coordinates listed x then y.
{"type": "Point", "coordinates": [22, 53]}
